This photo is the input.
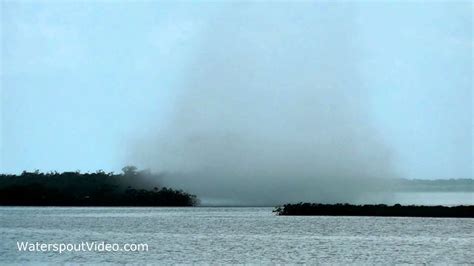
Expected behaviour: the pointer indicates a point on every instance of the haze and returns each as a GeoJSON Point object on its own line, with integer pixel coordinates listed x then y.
{"type": "Point", "coordinates": [252, 102]}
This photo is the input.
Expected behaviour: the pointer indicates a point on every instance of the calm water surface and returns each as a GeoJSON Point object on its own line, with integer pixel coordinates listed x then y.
{"type": "Point", "coordinates": [233, 235]}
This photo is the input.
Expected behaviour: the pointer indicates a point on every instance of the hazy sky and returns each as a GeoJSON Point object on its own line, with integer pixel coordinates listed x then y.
{"type": "Point", "coordinates": [80, 81]}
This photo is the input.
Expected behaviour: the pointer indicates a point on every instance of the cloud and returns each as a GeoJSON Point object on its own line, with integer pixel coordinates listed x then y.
{"type": "Point", "coordinates": [272, 111]}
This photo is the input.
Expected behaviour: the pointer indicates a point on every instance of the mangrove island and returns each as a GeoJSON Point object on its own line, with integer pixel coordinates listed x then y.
{"type": "Point", "coordinates": [130, 188]}
{"type": "Point", "coordinates": [396, 210]}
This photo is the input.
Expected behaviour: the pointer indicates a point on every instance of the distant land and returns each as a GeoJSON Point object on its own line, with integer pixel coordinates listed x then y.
{"type": "Point", "coordinates": [142, 188]}
{"type": "Point", "coordinates": [420, 185]}
{"type": "Point", "coordinates": [130, 188]}
{"type": "Point", "coordinates": [397, 210]}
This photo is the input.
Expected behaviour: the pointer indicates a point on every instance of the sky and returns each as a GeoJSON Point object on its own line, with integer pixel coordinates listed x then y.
{"type": "Point", "coordinates": [82, 81]}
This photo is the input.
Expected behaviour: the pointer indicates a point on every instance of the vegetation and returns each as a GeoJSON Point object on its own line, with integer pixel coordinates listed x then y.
{"type": "Point", "coordinates": [131, 188]}
{"type": "Point", "coordinates": [375, 210]}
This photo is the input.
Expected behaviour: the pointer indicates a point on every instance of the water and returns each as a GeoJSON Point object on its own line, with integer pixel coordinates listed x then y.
{"type": "Point", "coordinates": [434, 198]}
{"type": "Point", "coordinates": [233, 235]}
{"type": "Point", "coordinates": [447, 198]}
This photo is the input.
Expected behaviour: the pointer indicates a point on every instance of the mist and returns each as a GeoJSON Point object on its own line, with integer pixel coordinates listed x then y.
{"type": "Point", "coordinates": [272, 109]}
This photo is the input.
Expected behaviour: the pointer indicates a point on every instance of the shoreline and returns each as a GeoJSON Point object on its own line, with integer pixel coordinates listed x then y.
{"type": "Point", "coordinates": [380, 210]}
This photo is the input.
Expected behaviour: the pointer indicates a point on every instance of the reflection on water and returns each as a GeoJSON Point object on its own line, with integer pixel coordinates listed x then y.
{"type": "Point", "coordinates": [234, 235]}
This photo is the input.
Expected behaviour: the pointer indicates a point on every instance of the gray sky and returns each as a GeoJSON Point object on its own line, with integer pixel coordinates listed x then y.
{"type": "Point", "coordinates": [82, 82]}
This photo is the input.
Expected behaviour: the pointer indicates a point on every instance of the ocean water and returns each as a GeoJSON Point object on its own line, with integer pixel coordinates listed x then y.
{"type": "Point", "coordinates": [446, 198]}
{"type": "Point", "coordinates": [434, 198]}
{"type": "Point", "coordinates": [231, 235]}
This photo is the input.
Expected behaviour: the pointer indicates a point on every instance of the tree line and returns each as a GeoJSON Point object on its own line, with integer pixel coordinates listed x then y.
{"type": "Point", "coordinates": [129, 188]}
{"type": "Point", "coordinates": [397, 210]}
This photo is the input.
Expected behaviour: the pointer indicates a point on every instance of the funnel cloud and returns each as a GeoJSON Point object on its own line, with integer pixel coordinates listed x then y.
{"type": "Point", "coordinates": [272, 112]}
